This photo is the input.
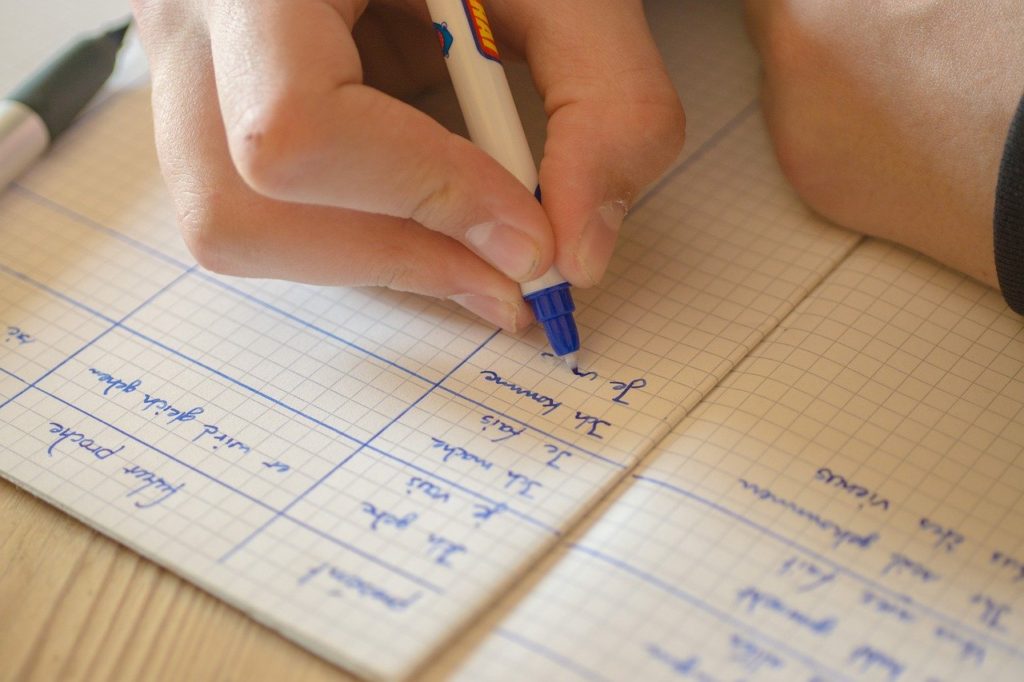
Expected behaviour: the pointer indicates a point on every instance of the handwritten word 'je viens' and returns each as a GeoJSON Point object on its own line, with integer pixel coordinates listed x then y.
{"type": "Point", "coordinates": [66, 434]}
{"type": "Point", "coordinates": [149, 479]}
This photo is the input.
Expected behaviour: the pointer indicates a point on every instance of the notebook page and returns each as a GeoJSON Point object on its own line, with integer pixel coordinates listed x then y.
{"type": "Point", "coordinates": [362, 470]}
{"type": "Point", "coordinates": [847, 505]}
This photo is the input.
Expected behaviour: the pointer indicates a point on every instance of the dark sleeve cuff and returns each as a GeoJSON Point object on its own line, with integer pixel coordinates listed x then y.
{"type": "Point", "coordinates": [1009, 215]}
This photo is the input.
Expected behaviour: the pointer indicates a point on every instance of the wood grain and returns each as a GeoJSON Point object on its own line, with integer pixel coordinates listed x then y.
{"type": "Point", "coordinates": [75, 605]}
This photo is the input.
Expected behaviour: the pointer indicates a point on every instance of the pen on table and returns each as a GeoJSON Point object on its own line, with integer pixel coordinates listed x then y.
{"type": "Point", "coordinates": [490, 112]}
{"type": "Point", "coordinates": [43, 106]}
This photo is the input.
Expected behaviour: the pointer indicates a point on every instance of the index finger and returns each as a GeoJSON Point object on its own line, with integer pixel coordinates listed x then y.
{"type": "Point", "coordinates": [302, 127]}
{"type": "Point", "coordinates": [615, 122]}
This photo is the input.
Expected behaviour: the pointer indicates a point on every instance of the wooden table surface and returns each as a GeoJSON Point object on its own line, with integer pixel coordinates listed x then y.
{"type": "Point", "coordinates": [75, 605]}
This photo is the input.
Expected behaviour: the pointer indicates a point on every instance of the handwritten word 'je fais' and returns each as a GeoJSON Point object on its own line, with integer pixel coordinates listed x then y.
{"type": "Point", "coordinates": [503, 428]}
{"type": "Point", "coordinates": [66, 434]}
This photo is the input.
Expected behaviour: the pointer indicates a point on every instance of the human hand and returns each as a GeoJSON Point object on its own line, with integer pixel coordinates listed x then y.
{"type": "Point", "coordinates": [289, 154]}
{"type": "Point", "coordinates": [890, 117]}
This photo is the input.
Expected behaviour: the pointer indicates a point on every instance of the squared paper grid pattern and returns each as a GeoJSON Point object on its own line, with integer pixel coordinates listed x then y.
{"type": "Point", "coordinates": [347, 388]}
{"type": "Point", "coordinates": [900, 375]}
{"type": "Point", "coordinates": [299, 394]}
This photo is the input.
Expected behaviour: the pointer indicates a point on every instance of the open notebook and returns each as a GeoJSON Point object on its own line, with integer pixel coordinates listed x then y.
{"type": "Point", "coordinates": [794, 454]}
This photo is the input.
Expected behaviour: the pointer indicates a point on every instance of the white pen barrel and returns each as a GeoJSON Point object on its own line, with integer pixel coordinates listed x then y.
{"type": "Point", "coordinates": [482, 88]}
{"type": "Point", "coordinates": [23, 139]}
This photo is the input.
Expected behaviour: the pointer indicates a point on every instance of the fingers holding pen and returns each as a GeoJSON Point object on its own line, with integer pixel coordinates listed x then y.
{"type": "Point", "coordinates": [233, 229]}
{"type": "Point", "coordinates": [301, 127]}
{"type": "Point", "coordinates": [615, 122]}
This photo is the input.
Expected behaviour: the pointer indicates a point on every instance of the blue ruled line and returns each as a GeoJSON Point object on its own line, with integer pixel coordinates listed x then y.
{"type": "Point", "coordinates": [693, 600]}
{"type": "Point", "coordinates": [553, 656]}
{"type": "Point", "coordinates": [99, 336]}
{"type": "Point", "coordinates": [85, 220]}
{"type": "Point", "coordinates": [238, 491]}
{"type": "Point", "coordinates": [382, 429]}
{"type": "Point", "coordinates": [13, 375]}
{"type": "Point", "coordinates": [285, 406]}
{"type": "Point", "coordinates": [212, 279]}
{"type": "Point", "coordinates": [841, 568]}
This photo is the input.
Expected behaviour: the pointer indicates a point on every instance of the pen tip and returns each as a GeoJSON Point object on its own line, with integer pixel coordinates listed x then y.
{"type": "Point", "coordinates": [571, 361]}
{"type": "Point", "coordinates": [116, 34]}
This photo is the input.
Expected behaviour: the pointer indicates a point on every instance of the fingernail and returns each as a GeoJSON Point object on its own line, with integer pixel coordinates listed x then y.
{"type": "Point", "coordinates": [506, 248]}
{"type": "Point", "coordinates": [598, 239]}
{"type": "Point", "coordinates": [494, 310]}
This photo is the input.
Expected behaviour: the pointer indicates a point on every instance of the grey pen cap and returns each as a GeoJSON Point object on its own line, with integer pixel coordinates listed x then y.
{"type": "Point", "coordinates": [62, 88]}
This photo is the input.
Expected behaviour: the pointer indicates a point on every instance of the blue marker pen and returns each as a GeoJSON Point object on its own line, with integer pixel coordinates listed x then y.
{"type": "Point", "coordinates": [490, 112]}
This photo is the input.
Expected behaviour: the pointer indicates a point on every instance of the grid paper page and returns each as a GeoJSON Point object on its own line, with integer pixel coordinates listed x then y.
{"type": "Point", "coordinates": [362, 470]}
{"type": "Point", "coordinates": [848, 504]}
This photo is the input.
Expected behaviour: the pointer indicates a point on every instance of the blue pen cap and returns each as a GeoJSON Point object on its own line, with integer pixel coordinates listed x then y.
{"type": "Point", "coordinates": [553, 308]}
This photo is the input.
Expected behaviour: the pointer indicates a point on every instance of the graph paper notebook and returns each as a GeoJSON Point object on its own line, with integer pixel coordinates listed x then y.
{"type": "Point", "coordinates": [792, 455]}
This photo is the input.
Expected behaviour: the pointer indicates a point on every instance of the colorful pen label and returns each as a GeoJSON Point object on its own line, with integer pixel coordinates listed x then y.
{"type": "Point", "coordinates": [481, 29]}
{"type": "Point", "coordinates": [444, 37]}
